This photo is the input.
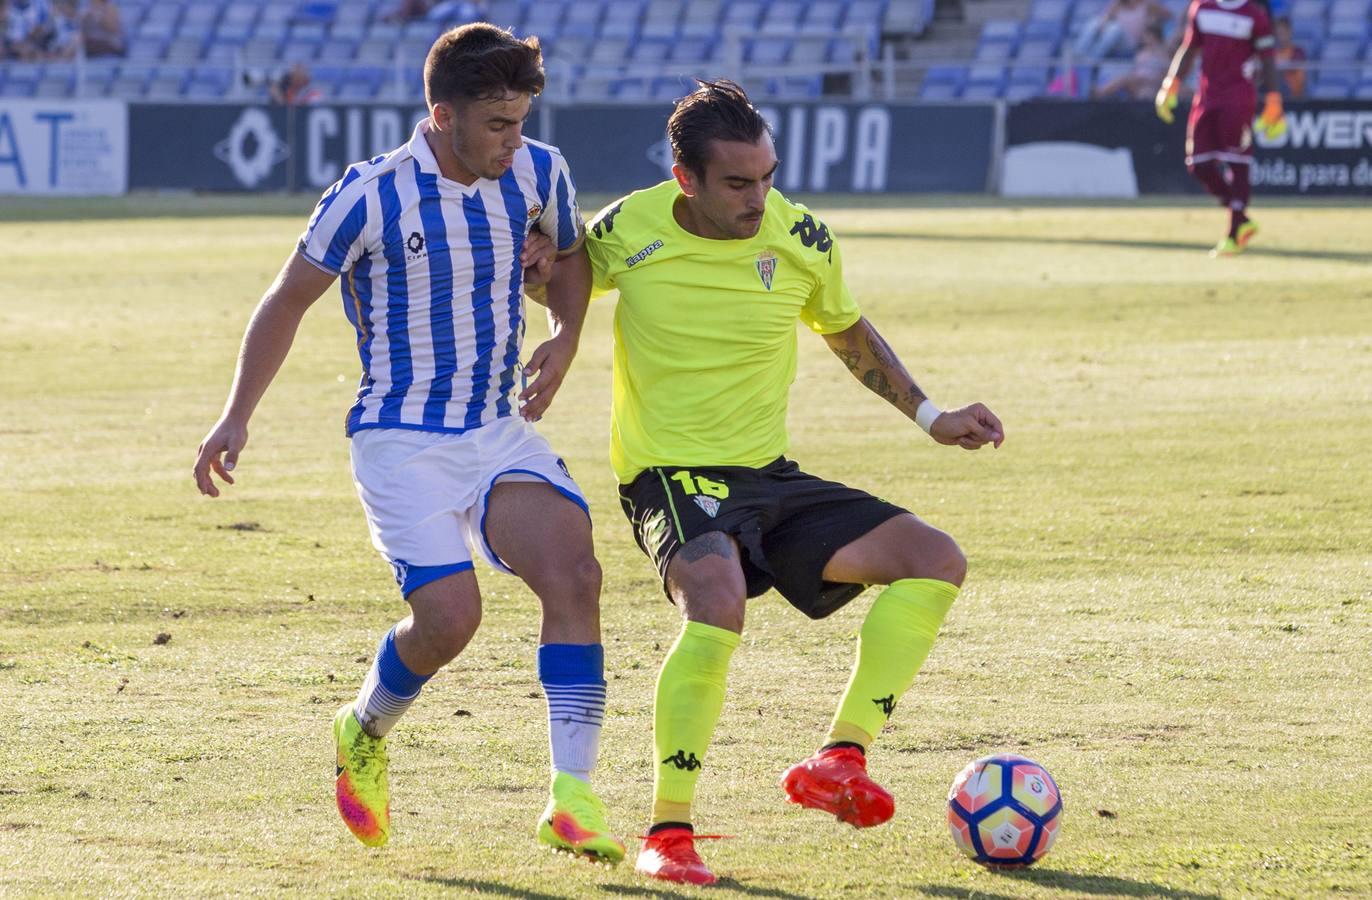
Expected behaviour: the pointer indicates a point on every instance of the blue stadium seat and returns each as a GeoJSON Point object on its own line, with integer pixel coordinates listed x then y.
{"type": "Point", "coordinates": [783, 15]}
{"type": "Point", "coordinates": [769, 51]}
{"type": "Point", "coordinates": [630, 89]}
{"type": "Point", "coordinates": [946, 76]}
{"type": "Point", "coordinates": [1038, 48]}
{"type": "Point", "coordinates": [985, 76]}
{"type": "Point", "coordinates": [321, 12]}
{"type": "Point", "coordinates": [1341, 51]}
{"type": "Point", "coordinates": [742, 16]}
{"type": "Point", "coordinates": [938, 92]}
{"type": "Point", "coordinates": [583, 19]}
{"type": "Point", "coordinates": [610, 51]}
{"type": "Point", "coordinates": [299, 51]}
{"type": "Point", "coordinates": [506, 14]}
{"type": "Point", "coordinates": [543, 18]}
{"type": "Point", "coordinates": [1349, 9]}
{"type": "Point", "coordinates": [994, 51]}
{"type": "Point", "coordinates": [822, 18]}
{"type": "Point", "coordinates": [809, 51]}
{"type": "Point", "coordinates": [622, 18]}
{"type": "Point", "coordinates": [700, 19]}
{"type": "Point", "coordinates": [981, 92]}
{"type": "Point", "coordinates": [1049, 11]}
{"type": "Point", "coordinates": [1035, 78]}
{"type": "Point", "coordinates": [1042, 31]}
{"type": "Point", "coordinates": [649, 50]}
{"type": "Point", "coordinates": [864, 14]}
{"type": "Point", "coordinates": [1309, 10]}
{"type": "Point", "coordinates": [1348, 29]}
{"type": "Point", "coordinates": [690, 50]}
{"type": "Point", "coordinates": [147, 49]}
{"type": "Point", "coordinates": [1333, 85]}
{"type": "Point", "coordinates": [844, 50]}
{"type": "Point", "coordinates": [662, 19]}
{"type": "Point", "coordinates": [1004, 30]}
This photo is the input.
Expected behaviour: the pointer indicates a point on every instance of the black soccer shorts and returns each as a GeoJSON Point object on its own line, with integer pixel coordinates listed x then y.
{"type": "Point", "coordinates": [788, 524]}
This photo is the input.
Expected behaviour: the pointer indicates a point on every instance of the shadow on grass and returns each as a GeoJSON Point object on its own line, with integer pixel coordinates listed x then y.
{"type": "Point", "coordinates": [954, 238]}
{"type": "Point", "coordinates": [1103, 885]}
{"type": "Point", "coordinates": [664, 892]}
{"type": "Point", "coordinates": [494, 888]}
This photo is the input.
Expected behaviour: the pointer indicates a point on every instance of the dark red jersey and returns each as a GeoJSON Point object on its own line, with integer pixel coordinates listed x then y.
{"type": "Point", "coordinates": [1228, 34]}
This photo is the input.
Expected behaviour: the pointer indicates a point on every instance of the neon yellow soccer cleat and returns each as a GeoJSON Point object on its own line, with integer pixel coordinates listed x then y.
{"type": "Point", "coordinates": [364, 798]}
{"type": "Point", "coordinates": [1226, 247]}
{"type": "Point", "coordinates": [575, 822]}
{"type": "Point", "coordinates": [1247, 231]}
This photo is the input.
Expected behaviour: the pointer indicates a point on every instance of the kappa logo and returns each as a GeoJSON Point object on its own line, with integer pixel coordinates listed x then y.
{"type": "Point", "coordinates": [709, 504]}
{"type": "Point", "coordinates": [682, 761]}
{"type": "Point", "coordinates": [401, 570]}
{"type": "Point", "coordinates": [604, 223]}
{"type": "Point", "coordinates": [643, 254]}
{"type": "Point", "coordinates": [766, 267]}
{"type": "Point", "coordinates": [814, 234]}
{"type": "Point", "coordinates": [887, 704]}
{"type": "Point", "coordinates": [252, 148]}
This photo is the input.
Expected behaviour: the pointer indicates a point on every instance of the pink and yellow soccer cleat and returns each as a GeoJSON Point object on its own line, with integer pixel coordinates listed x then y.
{"type": "Point", "coordinates": [575, 822]}
{"type": "Point", "coordinates": [1247, 231]}
{"type": "Point", "coordinates": [670, 855]}
{"type": "Point", "coordinates": [836, 781]}
{"type": "Point", "coordinates": [360, 788]}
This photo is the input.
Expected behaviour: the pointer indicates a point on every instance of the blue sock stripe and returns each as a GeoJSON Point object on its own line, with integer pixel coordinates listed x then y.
{"type": "Point", "coordinates": [396, 678]}
{"type": "Point", "coordinates": [571, 664]}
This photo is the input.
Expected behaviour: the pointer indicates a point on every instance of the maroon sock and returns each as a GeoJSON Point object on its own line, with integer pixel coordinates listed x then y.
{"type": "Point", "coordinates": [1208, 174]}
{"type": "Point", "coordinates": [1239, 191]}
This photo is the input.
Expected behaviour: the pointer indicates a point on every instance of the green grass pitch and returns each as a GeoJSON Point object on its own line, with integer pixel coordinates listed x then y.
{"type": "Point", "coordinates": [1167, 605]}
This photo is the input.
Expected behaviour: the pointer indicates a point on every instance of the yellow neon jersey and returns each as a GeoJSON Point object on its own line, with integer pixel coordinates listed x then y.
{"type": "Point", "coordinates": [705, 330]}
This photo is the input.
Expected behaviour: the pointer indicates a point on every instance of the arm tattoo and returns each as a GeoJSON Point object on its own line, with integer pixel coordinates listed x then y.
{"type": "Point", "coordinates": [713, 543]}
{"type": "Point", "coordinates": [881, 350]}
{"type": "Point", "coordinates": [851, 358]}
{"type": "Point", "coordinates": [537, 293]}
{"type": "Point", "coordinates": [875, 379]}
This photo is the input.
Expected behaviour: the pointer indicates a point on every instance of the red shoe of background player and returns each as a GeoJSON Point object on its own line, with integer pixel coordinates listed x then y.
{"type": "Point", "coordinates": [836, 781]}
{"type": "Point", "coordinates": [670, 854]}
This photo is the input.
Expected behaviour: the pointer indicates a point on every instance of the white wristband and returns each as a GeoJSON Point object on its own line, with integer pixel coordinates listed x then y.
{"type": "Point", "coordinates": [926, 414]}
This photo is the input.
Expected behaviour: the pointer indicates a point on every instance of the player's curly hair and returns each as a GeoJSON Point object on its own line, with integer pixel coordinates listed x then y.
{"type": "Point", "coordinates": [480, 62]}
{"type": "Point", "coordinates": [714, 111]}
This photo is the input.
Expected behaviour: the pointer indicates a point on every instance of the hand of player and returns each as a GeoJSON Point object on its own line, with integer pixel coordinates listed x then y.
{"type": "Point", "coordinates": [970, 428]}
{"type": "Point", "coordinates": [1166, 101]}
{"type": "Point", "coordinates": [538, 257]}
{"type": "Point", "coordinates": [1272, 122]}
{"type": "Point", "coordinates": [226, 438]}
{"type": "Point", "coordinates": [550, 362]}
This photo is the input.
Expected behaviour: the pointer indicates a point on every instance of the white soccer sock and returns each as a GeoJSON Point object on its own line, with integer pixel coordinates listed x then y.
{"type": "Point", "coordinates": [575, 714]}
{"type": "Point", "coordinates": [387, 691]}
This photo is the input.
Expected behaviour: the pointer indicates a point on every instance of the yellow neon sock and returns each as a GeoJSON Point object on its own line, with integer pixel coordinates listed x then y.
{"type": "Point", "coordinates": [892, 645]}
{"type": "Point", "coordinates": [690, 695]}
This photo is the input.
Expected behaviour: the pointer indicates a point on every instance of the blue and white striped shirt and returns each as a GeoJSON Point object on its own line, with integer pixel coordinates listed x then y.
{"type": "Point", "coordinates": [431, 279]}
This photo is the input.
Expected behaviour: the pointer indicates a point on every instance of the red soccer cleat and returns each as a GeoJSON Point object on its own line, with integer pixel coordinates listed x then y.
{"type": "Point", "coordinates": [835, 780]}
{"type": "Point", "coordinates": [670, 854]}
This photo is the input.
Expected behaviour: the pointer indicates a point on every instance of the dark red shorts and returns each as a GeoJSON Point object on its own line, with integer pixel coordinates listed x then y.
{"type": "Point", "coordinates": [1222, 133]}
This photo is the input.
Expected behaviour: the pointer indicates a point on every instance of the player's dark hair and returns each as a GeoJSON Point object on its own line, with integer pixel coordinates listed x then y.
{"type": "Point", "coordinates": [482, 62]}
{"type": "Point", "coordinates": [714, 111]}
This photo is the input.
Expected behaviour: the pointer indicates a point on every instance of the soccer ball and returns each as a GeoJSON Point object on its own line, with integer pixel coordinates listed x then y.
{"type": "Point", "coordinates": [1004, 811]}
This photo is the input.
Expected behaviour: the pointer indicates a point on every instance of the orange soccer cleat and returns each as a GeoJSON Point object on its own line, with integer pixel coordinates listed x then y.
{"type": "Point", "coordinates": [835, 780]}
{"type": "Point", "coordinates": [670, 854]}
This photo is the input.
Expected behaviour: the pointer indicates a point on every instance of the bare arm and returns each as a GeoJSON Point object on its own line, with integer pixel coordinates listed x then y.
{"type": "Point", "coordinates": [568, 296]}
{"type": "Point", "coordinates": [268, 339]}
{"type": "Point", "coordinates": [1182, 61]}
{"type": "Point", "coordinates": [1270, 76]}
{"type": "Point", "coordinates": [872, 361]}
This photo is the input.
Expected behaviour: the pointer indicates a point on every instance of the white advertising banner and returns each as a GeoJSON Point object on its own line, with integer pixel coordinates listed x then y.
{"type": "Point", "coordinates": [72, 147]}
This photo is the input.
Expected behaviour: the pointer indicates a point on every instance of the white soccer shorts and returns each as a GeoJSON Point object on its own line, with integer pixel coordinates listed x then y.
{"type": "Point", "coordinates": [425, 493]}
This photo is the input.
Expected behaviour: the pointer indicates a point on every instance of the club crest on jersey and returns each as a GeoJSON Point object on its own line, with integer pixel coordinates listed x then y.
{"type": "Point", "coordinates": [709, 504]}
{"type": "Point", "coordinates": [766, 267]}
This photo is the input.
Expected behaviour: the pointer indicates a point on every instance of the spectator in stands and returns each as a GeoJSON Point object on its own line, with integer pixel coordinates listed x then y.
{"type": "Point", "coordinates": [293, 87]}
{"type": "Point", "coordinates": [102, 30]}
{"type": "Point", "coordinates": [1119, 30]}
{"type": "Point", "coordinates": [28, 29]}
{"type": "Point", "coordinates": [66, 31]}
{"type": "Point", "coordinates": [4, 30]}
{"type": "Point", "coordinates": [1150, 65]}
{"type": "Point", "coordinates": [1290, 60]}
{"type": "Point", "coordinates": [457, 12]}
{"type": "Point", "coordinates": [407, 10]}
